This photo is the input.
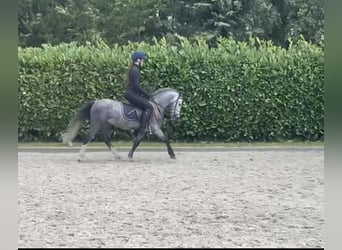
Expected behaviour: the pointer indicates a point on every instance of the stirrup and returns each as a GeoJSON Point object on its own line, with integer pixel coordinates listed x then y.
{"type": "Point", "coordinates": [147, 130]}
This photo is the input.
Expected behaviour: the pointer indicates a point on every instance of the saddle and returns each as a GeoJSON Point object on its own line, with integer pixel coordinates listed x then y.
{"type": "Point", "coordinates": [130, 112]}
{"type": "Point", "coordinates": [133, 113]}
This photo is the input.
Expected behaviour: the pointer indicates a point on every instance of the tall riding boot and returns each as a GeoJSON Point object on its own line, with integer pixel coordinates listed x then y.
{"type": "Point", "coordinates": [144, 120]}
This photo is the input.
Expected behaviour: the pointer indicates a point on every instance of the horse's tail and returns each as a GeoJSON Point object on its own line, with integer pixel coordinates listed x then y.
{"type": "Point", "coordinates": [75, 123]}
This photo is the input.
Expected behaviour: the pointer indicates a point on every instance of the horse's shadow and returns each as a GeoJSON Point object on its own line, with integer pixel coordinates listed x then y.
{"type": "Point", "coordinates": [122, 159]}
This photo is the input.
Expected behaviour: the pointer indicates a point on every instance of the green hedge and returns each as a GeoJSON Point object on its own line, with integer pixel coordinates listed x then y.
{"type": "Point", "coordinates": [236, 91]}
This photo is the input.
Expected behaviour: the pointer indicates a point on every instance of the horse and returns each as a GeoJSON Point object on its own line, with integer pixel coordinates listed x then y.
{"type": "Point", "coordinates": [104, 114]}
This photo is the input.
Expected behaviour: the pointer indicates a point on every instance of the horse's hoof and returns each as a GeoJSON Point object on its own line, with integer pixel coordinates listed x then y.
{"type": "Point", "coordinates": [173, 157]}
{"type": "Point", "coordinates": [82, 159]}
{"type": "Point", "coordinates": [118, 157]}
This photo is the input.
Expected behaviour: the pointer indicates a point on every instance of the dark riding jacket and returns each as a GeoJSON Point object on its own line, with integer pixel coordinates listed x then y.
{"type": "Point", "coordinates": [134, 82]}
{"type": "Point", "coordinates": [134, 93]}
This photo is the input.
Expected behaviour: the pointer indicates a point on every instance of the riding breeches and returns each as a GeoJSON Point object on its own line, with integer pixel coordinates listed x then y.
{"type": "Point", "coordinates": [138, 101]}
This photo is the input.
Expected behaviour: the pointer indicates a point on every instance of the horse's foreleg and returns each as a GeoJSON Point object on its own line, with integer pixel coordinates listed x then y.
{"type": "Point", "coordinates": [136, 143]}
{"type": "Point", "coordinates": [159, 133]}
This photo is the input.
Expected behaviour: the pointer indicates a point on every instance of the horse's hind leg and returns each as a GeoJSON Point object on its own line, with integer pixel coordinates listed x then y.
{"type": "Point", "coordinates": [136, 143]}
{"type": "Point", "coordinates": [106, 135]}
{"type": "Point", "coordinates": [94, 128]}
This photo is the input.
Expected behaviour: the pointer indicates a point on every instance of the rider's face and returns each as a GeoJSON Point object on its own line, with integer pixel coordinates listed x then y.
{"type": "Point", "coordinates": [139, 62]}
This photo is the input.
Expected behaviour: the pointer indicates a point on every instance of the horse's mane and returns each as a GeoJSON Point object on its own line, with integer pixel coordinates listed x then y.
{"type": "Point", "coordinates": [161, 90]}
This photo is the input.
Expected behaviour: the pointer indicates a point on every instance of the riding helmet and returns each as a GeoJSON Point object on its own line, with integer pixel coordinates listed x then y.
{"type": "Point", "coordinates": [138, 55]}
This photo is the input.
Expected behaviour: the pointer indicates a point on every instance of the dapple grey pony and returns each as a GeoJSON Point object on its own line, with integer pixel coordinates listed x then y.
{"type": "Point", "coordinates": [105, 113]}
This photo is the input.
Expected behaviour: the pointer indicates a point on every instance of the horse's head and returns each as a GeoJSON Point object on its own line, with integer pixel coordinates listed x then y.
{"type": "Point", "coordinates": [176, 107]}
{"type": "Point", "coordinates": [169, 99]}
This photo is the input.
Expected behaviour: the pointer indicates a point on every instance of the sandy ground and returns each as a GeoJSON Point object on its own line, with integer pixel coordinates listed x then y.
{"type": "Point", "coordinates": [201, 199]}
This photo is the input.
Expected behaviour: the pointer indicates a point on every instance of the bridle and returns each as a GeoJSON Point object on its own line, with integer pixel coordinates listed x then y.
{"type": "Point", "coordinates": [173, 113]}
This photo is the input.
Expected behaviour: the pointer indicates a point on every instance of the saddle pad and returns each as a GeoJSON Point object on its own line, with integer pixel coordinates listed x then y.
{"type": "Point", "coordinates": [130, 112]}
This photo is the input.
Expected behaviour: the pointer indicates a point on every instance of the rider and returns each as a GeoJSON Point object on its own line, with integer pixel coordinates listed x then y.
{"type": "Point", "coordinates": [134, 93]}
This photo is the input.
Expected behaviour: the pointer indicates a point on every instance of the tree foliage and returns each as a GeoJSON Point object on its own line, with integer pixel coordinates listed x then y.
{"type": "Point", "coordinates": [120, 21]}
